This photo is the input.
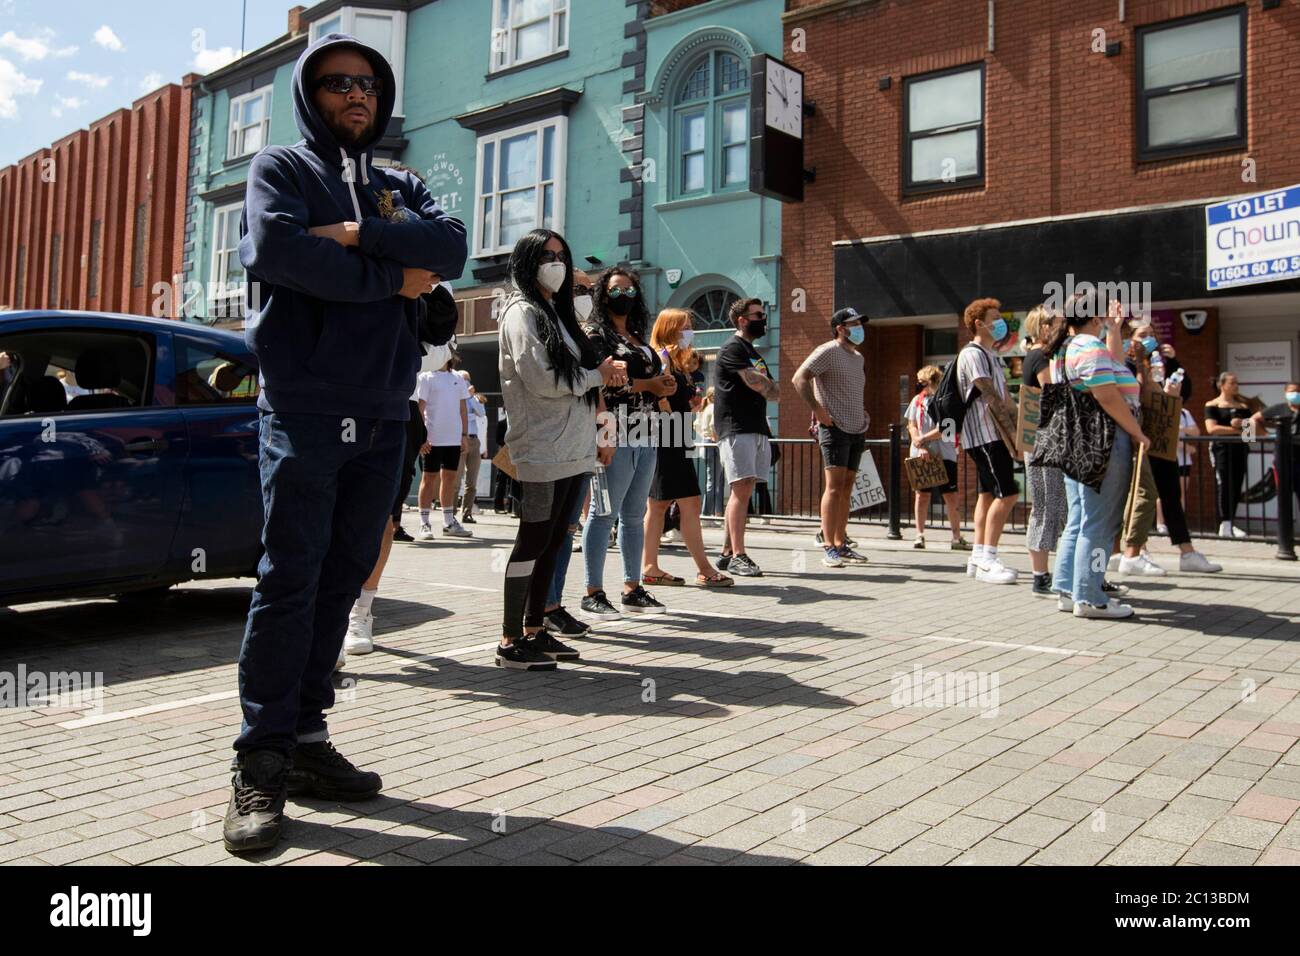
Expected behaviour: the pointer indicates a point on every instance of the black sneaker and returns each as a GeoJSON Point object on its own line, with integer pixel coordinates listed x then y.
{"type": "Point", "coordinates": [724, 561]}
{"type": "Point", "coordinates": [563, 623]}
{"type": "Point", "coordinates": [744, 567]}
{"type": "Point", "coordinates": [544, 642]}
{"type": "Point", "coordinates": [1117, 590]}
{"type": "Point", "coordinates": [321, 771]}
{"type": "Point", "coordinates": [255, 815]}
{"type": "Point", "coordinates": [523, 655]}
{"type": "Point", "coordinates": [1043, 585]}
{"type": "Point", "coordinates": [401, 534]}
{"type": "Point", "coordinates": [467, 519]}
{"type": "Point", "coordinates": [597, 605]}
{"type": "Point", "coordinates": [639, 601]}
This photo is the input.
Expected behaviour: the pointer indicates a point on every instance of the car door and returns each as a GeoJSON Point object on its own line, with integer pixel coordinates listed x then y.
{"type": "Point", "coordinates": [90, 479]}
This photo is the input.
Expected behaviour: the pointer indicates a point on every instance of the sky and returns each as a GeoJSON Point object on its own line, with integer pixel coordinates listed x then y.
{"type": "Point", "coordinates": [65, 63]}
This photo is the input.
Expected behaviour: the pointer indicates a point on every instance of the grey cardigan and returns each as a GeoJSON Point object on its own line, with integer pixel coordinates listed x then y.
{"type": "Point", "coordinates": [551, 431]}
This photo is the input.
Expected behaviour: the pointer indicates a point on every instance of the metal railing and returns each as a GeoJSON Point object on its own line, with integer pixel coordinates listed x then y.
{"type": "Point", "coordinates": [1267, 512]}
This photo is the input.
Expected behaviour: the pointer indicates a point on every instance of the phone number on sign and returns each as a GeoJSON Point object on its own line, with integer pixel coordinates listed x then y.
{"type": "Point", "coordinates": [1284, 266]}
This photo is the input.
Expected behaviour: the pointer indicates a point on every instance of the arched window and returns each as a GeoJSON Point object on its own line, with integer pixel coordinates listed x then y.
{"type": "Point", "coordinates": [710, 126]}
{"type": "Point", "coordinates": [711, 307]}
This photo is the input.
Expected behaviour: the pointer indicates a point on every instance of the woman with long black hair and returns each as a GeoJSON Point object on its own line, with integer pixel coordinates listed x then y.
{"type": "Point", "coordinates": [550, 382]}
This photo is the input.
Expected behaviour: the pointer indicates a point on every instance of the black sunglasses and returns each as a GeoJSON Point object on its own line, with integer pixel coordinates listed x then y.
{"type": "Point", "coordinates": [342, 83]}
{"type": "Point", "coordinates": [549, 256]}
{"type": "Point", "coordinates": [582, 290]}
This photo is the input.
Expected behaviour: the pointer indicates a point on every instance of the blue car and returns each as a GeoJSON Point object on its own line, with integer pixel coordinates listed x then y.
{"type": "Point", "coordinates": [128, 455]}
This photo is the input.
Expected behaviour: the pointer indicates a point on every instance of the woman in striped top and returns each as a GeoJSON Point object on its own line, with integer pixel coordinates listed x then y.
{"type": "Point", "coordinates": [1089, 355]}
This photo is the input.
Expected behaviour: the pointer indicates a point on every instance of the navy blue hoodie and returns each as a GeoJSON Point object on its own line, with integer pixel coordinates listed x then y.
{"type": "Point", "coordinates": [333, 336]}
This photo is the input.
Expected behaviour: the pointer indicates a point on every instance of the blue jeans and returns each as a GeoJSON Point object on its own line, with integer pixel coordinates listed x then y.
{"type": "Point", "coordinates": [554, 595]}
{"type": "Point", "coordinates": [326, 495]}
{"type": "Point", "coordinates": [1091, 526]}
{"type": "Point", "coordinates": [629, 475]}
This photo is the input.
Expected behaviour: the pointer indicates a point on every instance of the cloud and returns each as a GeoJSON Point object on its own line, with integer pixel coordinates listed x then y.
{"type": "Point", "coordinates": [92, 80]}
{"type": "Point", "coordinates": [66, 103]}
{"type": "Point", "coordinates": [14, 84]}
{"type": "Point", "coordinates": [36, 47]}
{"type": "Point", "coordinates": [106, 38]}
{"type": "Point", "coordinates": [205, 61]}
{"type": "Point", "coordinates": [151, 82]}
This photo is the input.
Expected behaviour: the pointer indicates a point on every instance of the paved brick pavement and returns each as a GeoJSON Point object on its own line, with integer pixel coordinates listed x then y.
{"type": "Point", "coordinates": [753, 726]}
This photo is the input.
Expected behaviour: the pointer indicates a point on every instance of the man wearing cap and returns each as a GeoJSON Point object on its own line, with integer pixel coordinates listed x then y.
{"type": "Point", "coordinates": [342, 251]}
{"type": "Point", "coordinates": [833, 381]}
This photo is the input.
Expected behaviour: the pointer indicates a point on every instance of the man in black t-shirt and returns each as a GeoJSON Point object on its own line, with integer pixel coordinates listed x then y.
{"type": "Point", "coordinates": [743, 388]}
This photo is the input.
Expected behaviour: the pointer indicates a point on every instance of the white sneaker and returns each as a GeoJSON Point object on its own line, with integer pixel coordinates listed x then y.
{"type": "Point", "coordinates": [1064, 603]}
{"type": "Point", "coordinates": [1112, 611]}
{"type": "Point", "coordinates": [1162, 529]}
{"type": "Point", "coordinates": [671, 537]}
{"type": "Point", "coordinates": [1113, 563]}
{"type": "Point", "coordinates": [1237, 532]}
{"type": "Point", "coordinates": [972, 569]}
{"type": "Point", "coordinates": [360, 636]}
{"type": "Point", "coordinates": [1140, 565]}
{"type": "Point", "coordinates": [426, 532]}
{"type": "Point", "coordinates": [343, 659]}
{"type": "Point", "coordinates": [995, 572]}
{"type": "Point", "coordinates": [455, 530]}
{"type": "Point", "coordinates": [1195, 561]}
{"type": "Point", "coordinates": [1228, 530]}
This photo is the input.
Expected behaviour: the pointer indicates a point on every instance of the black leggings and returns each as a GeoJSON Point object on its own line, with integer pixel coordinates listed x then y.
{"type": "Point", "coordinates": [414, 439]}
{"type": "Point", "coordinates": [1229, 476]}
{"type": "Point", "coordinates": [543, 530]}
{"type": "Point", "coordinates": [1170, 491]}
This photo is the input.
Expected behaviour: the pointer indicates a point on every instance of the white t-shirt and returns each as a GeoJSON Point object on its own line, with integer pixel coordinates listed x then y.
{"type": "Point", "coordinates": [918, 412]}
{"type": "Point", "coordinates": [442, 394]}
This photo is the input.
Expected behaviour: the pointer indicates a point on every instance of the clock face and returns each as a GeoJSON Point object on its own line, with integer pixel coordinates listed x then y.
{"type": "Point", "coordinates": [784, 100]}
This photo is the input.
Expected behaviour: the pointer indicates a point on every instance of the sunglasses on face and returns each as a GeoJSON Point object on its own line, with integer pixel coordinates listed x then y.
{"type": "Point", "coordinates": [342, 83]}
{"type": "Point", "coordinates": [756, 315]}
{"type": "Point", "coordinates": [582, 290]}
{"type": "Point", "coordinates": [549, 256]}
{"type": "Point", "coordinates": [624, 293]}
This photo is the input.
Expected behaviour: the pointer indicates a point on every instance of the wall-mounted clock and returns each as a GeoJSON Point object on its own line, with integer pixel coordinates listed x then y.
{"type": "Point", "coordinates": [776, 111]}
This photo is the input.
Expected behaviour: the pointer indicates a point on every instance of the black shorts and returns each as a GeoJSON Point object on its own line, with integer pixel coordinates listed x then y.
{"type": "Point", "coordinates": [996, 475]}
{"type": "Point", "coordinates": [938, 491]}
{"type": "Point", "coordinates": [840, 449]}
{"type": "Point", "coordinates": [1184, 470]}
{"type": "Point", "coordinates": [446, 457]}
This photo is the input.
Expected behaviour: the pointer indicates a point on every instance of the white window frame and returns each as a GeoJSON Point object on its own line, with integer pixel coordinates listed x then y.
{"type": "Point", "coordinates": [219, 281]}
{"type": "Point", "coordinates": [397, 60]}
{"type": "Point", "coordinates": [561, 124]}
{"type": "Point", "coordinates": [501, 49]}
{"type": "Point", "coordinates": [235, 129]}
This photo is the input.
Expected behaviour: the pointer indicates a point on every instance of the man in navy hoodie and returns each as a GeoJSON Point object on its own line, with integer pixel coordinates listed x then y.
{"type": "Point", "coordinates": [342, 251]}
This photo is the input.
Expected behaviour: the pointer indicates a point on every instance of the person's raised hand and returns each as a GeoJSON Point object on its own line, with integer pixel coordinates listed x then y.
{"type": "Point", "coordinates": [344, 233]}
{"type": "Point", "coordinates": [612, 372]}
{"type": "Point", "coordinates": [416, 282]}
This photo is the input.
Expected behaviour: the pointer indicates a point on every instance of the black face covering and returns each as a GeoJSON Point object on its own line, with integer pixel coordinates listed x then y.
{"type": "Point", "coordinates": [622, 305]}
{"type": "Point", "coordinates": [757, 328]}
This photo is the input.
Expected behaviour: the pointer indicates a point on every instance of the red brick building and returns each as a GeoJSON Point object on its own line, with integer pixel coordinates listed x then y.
{"type": "Point", "coordinates": [96, 219]}
{"type": "Point", "coordinates": [964, 149]}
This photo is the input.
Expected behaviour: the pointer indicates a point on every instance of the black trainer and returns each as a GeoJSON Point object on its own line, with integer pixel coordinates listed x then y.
{"type": "Point", "coordinates": [321, 771]}
{"type": "Point", "coordinates": [255, 815]}
{"type": "Point", "coordinates": [545, 643]}
{"type": "Point", "coordinates": [401, 534]}
{"type": "Point", "coordinates": [467, 519]}
{"type": "Point", "coordinates": [597, 605]}
{"type": "Point", "coordinates": [563, 623]}
{"type": "Point", "coordinates": [724, 561]}
{"type": "Point", "coordinates": [523, 655]}
{"type": "Point", "coordinates": [742, 565]}
{"type": "Point", "coordinates": [640, 601]}
{"type": "Point", "coordinates": [1043, 585]}
{"type": "Point", "coordinates": [1117, 590]}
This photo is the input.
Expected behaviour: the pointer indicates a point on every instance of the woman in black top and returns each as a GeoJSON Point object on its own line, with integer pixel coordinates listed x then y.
{"type": "Point", "coordinates": [675, 478]}
{"type": "Point", "coordinates": [618, 328]}
{"type": "Point", "coordinates": [1046, 484]}
{"type": "Point", "coordinates": [1227, 415]}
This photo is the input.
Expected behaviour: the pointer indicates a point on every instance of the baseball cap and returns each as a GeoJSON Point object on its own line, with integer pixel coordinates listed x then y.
{"type": "Point", "coordinates": [847, 315]}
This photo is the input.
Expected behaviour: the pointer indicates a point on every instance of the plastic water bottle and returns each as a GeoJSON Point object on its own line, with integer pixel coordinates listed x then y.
{"type": "Point", "coordinates": [1157, 367]}
{"type": "Point", "coordinates": [600, 505]}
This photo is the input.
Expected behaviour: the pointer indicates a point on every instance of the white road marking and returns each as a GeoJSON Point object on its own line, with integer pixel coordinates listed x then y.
{"type": "Point", "coordinates": [98, 719]}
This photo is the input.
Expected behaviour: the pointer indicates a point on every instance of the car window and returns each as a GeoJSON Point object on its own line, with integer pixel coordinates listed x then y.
{"type": "Point", "coordinates": [74, 371]}
{"type": "Point", "coordinates": [206, 376]}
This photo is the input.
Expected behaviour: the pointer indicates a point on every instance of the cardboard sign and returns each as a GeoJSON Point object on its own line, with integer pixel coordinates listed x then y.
{"type": "Point", "coordinates": [1027, 418]}
{"type": "Point", "coordinates": [1161, 416]}
{"type": "Point", "coordinates": [926, 472]}
{"type": "Point", "coordinates": [868, 492]}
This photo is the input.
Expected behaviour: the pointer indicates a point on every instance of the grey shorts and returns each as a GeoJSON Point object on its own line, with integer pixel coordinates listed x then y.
{"type": "Point", "coordinates": [746, 456]}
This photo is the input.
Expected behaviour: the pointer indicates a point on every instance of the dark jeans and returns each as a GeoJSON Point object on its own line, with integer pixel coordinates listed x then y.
{"type": "Point", "coordinates": [410, 452]}
{"type": "Point", "coordinates": [1229, 476]}
{"type": "Point", "coordinates": [543, 528]}
{"type": "Point", "coordinates": [326, 494]}
{"type": "Point", "coordinates": [1170, 491]}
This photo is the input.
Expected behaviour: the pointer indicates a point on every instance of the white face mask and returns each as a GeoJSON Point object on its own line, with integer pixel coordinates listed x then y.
{"type": "Point", "coordinates": [582, 306]}
{"type": "Point", "coordinates": [550, 276]}
{"type": "Point", "coordinates": [686, 338]}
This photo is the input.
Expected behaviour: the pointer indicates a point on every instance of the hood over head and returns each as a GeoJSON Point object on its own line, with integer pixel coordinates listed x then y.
{"type": "Point", "coordinates": [312, 125]}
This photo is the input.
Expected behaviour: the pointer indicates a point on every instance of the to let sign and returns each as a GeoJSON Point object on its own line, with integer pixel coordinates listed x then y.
{"type": "Point", "coordinates": [1253, 239]}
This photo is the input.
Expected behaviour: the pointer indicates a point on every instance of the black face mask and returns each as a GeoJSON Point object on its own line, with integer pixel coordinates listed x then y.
{"type": "Point", "coordinates": [619, 306]}
{"type": "Point", "coordinates": [756, 328]}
